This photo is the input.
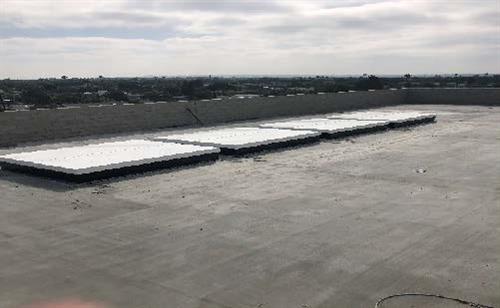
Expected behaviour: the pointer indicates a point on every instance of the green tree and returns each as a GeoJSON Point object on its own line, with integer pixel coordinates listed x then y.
{"type": "Point", "coordinates": [37, 96]}
{"type": "Point", "coordinates": [370, 83]}
{"type": "Point", "coordinates": [117, 96]}
{"type": "Point", "coordinates": [2, 104]}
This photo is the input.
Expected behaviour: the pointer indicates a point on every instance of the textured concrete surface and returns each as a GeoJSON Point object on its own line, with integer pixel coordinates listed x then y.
{"type": "Point", "coordinates": [340, 223]}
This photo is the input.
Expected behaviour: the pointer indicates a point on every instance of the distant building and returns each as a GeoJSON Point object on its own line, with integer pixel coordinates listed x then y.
{"type": "Point", "coordinates": [134, 98]}
{"type": "Point", "coordinates": [89, 97]}
{"type": "Point", "coordinates": [180, 97]}
{"type": "Point", "coordinates": [243, 95]}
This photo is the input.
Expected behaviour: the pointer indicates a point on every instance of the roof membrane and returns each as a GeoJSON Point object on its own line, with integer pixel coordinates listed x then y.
{"type": "Point", "coordinates": [105, 156]}
{"type": "Point", "coordinates": [327, 125]}
{"type": "Point", "coordinates": [392, 116]}
{"type": "Point", "coordinates": [240, 137]}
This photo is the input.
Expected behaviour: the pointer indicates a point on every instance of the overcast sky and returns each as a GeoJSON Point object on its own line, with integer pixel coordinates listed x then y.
{"type": "Point", "coordinates": [83, 38]}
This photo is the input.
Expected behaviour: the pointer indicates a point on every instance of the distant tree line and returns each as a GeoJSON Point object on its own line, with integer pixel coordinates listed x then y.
{"type": "Point", "coordinates": [55, 92]}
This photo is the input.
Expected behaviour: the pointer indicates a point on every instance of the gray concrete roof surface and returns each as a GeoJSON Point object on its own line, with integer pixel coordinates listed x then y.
{"type": "Point", "coordinates": [339, 223]}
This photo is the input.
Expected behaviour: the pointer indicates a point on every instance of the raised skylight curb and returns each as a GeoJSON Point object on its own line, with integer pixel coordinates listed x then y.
{"type": "Point", "coordinates": [394, 117]}
{"type": "Point", "coordinates": [237, 140]}
{"type": "Point", "coordinates": [93, 161]}
{"type": "Point", "coordinates": [327, 126]}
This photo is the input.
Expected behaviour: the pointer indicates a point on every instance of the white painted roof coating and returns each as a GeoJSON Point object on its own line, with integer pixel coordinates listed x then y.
{"type": "Point", "coordinates": [392, 116]}
{"type": "Point", "coordinates": [326, 125]}
{"type": "Point", "coordinates": [105, 156]}
{"type": "Point", "coordinates": [240, 137]}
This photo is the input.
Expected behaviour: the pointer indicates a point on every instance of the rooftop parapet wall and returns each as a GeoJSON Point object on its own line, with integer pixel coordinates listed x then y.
{"type": "Point", "coordinates": [55, 124]}
{"type": "Point", "coordinates": [454, 96]}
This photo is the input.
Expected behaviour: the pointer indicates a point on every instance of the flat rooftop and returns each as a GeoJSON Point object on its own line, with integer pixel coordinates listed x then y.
{"type": "Point", "coordinates": [339, 223]}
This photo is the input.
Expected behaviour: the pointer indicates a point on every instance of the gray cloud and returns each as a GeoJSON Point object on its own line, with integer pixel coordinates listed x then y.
{"type": "Point", "coordinates": [488, 17]}
{"type": "Point", "coordinates": [378, 21]}
{"type": "Point", "coordinates": [345, 3]}
{"type": "Point", "coordinates": [227, 21]}
{"type": "Point", "coordinates": [133, 17]}
{"type": "Point", "coordinates": [216, 6]}
{"type": "Point", "coordinates": [485, 39]}
{"type": "Point", "coordinates": [160, 33]}
{"type": "Point", "coordinates": [247, 37]}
